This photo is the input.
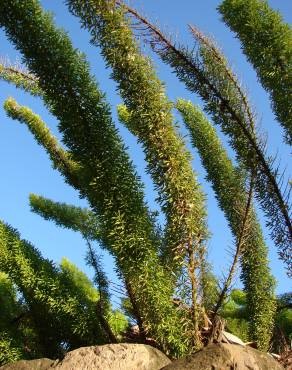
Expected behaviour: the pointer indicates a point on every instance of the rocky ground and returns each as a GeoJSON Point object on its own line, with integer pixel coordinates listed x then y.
{"type": "Point", "coordinates": [130, 356]}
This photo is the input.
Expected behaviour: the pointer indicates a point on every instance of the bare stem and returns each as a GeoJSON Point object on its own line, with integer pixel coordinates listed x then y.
{"type": "Point", "coordinates": [239, 245]}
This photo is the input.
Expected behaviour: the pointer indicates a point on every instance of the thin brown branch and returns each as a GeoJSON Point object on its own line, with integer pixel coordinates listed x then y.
{"type": "Point", "coordinates": [135, 308]}
{"type": "Point", "coordinates": [239, 246]}
{"type": "Point", "coordinates": [217, 55]}
{"type": "Point", "coordinates": [104, 323]}
{"type": "Point", "coordinates": [27, 76]}
{"type": "Point", "coordinates": [101, 304]}
{"type": "Point", "coordinates": [194, 288]}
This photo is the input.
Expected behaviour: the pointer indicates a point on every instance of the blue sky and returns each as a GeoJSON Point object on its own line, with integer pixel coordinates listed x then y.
{"type": "Point", "coordinates": [25, 167]}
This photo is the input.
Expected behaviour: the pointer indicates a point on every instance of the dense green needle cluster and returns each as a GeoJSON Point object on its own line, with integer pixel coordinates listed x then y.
{"type": "Point", "coordinates": [267, 43]}
{"type": "Point", "coordinates": [86, 222]}
{"type": "Point", "coordinates": [60, 158]}
{"type": "Point", "coordinates": [81, 220]}
{"type": "Point", "coordinates": [9, 350]}
{"type": "Point", "coordinates": [205, 71]}
{"type": "Point", "coordinates": [61, 309]}
{"type": "Point", "coordinates": [149, 117]}
{"type": "Point", "coordinates": [112, 322]}
{"type": "Point", "coordinates": [113, 189]}
{"type": "Point", "coordinates": [237, 121]}
{"type": "Point", "coordinates": [76, 218]}
{"type": "Point", "coordinates": [229, 187]}
{"type": "Point", "coordinates": [20, 78]}
{"type": "Point", "coordinates": [10, 335]}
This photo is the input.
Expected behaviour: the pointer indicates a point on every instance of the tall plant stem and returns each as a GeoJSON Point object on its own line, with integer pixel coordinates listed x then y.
{"type": "Point", "coordinates": [239, 246]}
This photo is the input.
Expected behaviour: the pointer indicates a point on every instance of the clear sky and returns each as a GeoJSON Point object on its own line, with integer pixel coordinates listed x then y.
{"type": "Point", "coordinates": [26, 168]}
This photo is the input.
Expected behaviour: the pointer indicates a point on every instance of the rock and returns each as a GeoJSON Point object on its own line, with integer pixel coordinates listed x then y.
{"type": "Point", "coordinates": [226, 357]}
{"type": "Point", "coordinates": [123, 356]}
{"type": "Point", "coordinates": [39, 364]}
{"type": "Point", "coordinates": [231, 338]}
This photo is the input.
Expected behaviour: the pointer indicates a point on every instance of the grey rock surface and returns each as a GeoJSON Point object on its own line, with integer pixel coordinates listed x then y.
{"type": "Point", "coordinates": [226, 357]}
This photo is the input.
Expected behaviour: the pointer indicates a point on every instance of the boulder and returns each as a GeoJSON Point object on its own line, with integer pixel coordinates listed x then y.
{"type": "Point", "coordinates": [123, 356]}
{"type": "Point", "coordinates": [231, 338]}
{"type": "Point", "coordinates": [39, 364]}
{"type": "Point", "coordinates": [224, 356]}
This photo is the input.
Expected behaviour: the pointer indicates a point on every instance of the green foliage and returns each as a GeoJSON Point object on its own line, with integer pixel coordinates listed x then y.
{"type": "Point", "coordinates": [60, 303]}
{"type": "Point", "coordinates": [284, 314]}
{"type": "Point", "coordinates": [205, 71]}
{"type": "Point", "coordinates": [267, 43]}
{"type": "Point", "coordinates": [8, 351]}
{"type": "Point", "coordinates": [229, 187]}
{"type": "Point", "coordinates": [236, 315]}
{"type": "Point", "coordinates": [150, 119]}
{"type": "Point", "coordinates": [285, 300]}
{"type": "Point", "coordinates": [10, 348]}
{"type": "Point", "coordinates": [109, 181]}
{"type": "Point", "coordinates": [239, 297]}
{"type": "Point", "coordinates": [238, 327]}
{"type": "Point", "coordinates": [19, 77]}
{"type": "Point", "coordinates": [78, 219]}
{"type": "Point", "coordinates": [8, 301]}
{"type": "Point", "coordinates": [78, 280]}
{"type": "Point", "coordinates": [284, 321]}
{"type": "Point", "coordinates": [85, 222]}
{"type": "Point", "coordinates": [58, 308]}
{"type": "Point", "coordinates": [18, 337]}
{"type": "Point", "coordinates": [117, 322]}
{"type": "Point", "coordinates": [61, 159]}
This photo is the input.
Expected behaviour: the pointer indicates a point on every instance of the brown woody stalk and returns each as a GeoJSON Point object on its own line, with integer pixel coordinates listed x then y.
{"type": "Point", "coordinates": [239, 246]}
